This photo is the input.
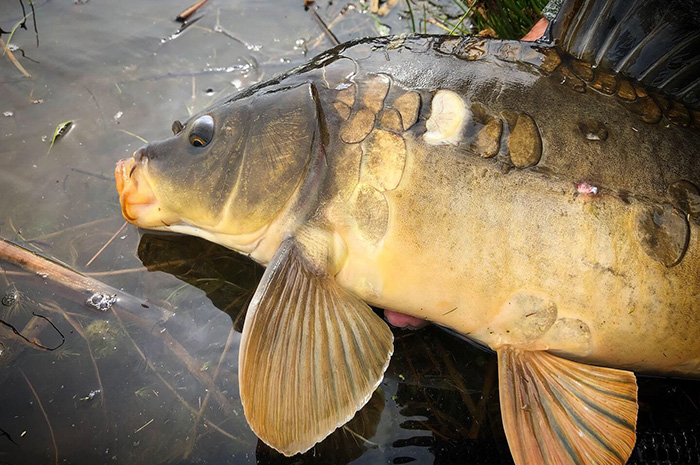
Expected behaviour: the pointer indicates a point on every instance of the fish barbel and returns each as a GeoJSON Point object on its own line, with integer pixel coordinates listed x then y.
{"type": "Point", "coordinates": [542, 200]}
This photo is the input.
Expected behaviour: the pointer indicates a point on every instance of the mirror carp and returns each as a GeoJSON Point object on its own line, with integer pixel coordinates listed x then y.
{"type": "Point", "coordinates": [541, 199]}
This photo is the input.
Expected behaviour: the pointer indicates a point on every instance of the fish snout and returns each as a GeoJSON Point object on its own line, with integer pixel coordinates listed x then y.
{"type": "Point", "coordinates": [136, 196]}
{"type": "Point", "coordinates": [122, 173]}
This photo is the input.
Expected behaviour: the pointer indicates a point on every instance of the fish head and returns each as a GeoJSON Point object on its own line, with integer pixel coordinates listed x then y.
{"type": "Point", "coordinates": [227, 173]}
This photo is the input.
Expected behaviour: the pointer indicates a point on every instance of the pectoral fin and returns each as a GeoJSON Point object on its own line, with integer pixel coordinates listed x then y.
{"type": "Point", "coordinates": [556, 411]}
{"type": "Point", "coordinates": [311, 354]}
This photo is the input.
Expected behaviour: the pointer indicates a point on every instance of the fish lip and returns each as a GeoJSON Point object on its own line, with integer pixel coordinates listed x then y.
{"type": "Point", "coordinates": [135, 192]}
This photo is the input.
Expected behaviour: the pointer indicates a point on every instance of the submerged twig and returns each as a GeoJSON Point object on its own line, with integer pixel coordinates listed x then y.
{"type": "Point", "coordinates": [63, 275]}
{"type": "Point", "coordinates": [184, 16]}
{"type": "Point", "coordinates": [146, 424]}
{"type": "Point", "coordinates": [13, 59]}
{"type": "Point", "coordinates": [205, 402]}
{"type": "Point", "coordinates": [68, 229]}
{"type": "Point", "coordinates": [13, 30]}
{"type": "Point", "coordinates": [23, 25]}
{"type": "Point", "coordinates": [131, 133]}
{"type": "Point", "coordinates": [334, 40]}
{"type": "Point", "coordinates": [73, 280]}
{"type": "Point", "coordinates": [43, 411]}
{"type": "Point", "coordinates": [94, 175]}
{"type": "Point", "coordinates": [109, 241]}
{"type": "Point", "coordinates": [80, 330]}
{"type": "Point", "coordinates": [36, 31]}
{"type": "Point", "coordinates": [490, 381]}
{"type": "Point", "coordinates": [190, 363]}
{"type": "Point", "coordinates": [7, 435]}
{"type": "Point", "coordinates": [457, 380]}
{"type": "Point", "coordinates": [35, 343]}
{"type": "Point", "coordinates": [166, 383]}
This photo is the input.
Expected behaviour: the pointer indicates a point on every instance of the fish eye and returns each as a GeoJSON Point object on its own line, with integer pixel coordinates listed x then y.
{"type": "Point", "coordinates": [202, 131]}
{"type": "Point", "coordinates": [177, 127]}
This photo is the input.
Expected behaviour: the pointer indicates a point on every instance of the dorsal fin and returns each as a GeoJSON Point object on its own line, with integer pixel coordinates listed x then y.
{"type": "Point", "coordinates": [656, 42]}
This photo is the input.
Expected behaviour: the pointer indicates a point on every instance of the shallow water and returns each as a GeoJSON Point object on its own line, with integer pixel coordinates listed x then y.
{"type": "Point", "coordinates": [156, 383]}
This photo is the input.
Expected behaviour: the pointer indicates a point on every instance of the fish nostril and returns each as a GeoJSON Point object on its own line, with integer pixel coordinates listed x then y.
{"type": "Point", "coordinates": [140, 154]}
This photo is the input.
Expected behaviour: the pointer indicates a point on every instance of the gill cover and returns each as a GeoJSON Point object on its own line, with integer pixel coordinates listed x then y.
{"type": "Point", "coordinates": [232, 168]}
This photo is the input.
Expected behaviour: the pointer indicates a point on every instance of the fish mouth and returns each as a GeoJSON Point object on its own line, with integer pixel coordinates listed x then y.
{"type": "Point", "coordinates": [136, 196]}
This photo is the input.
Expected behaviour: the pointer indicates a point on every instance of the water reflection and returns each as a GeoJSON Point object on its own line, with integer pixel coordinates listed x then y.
{"type": "Point", "coordinates": [437, 403]}
{"type": "Point", "coordinates": [155, 381]}
{"type": "Point", "coordinates": [439, 400]}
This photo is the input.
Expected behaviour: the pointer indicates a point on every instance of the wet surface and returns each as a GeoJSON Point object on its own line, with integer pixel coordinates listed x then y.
{"type": "Point", "coordinates": [152, 378]}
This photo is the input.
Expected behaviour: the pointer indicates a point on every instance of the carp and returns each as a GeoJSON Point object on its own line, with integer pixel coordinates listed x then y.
{"type": "Point", "coordinates": [540, 198]}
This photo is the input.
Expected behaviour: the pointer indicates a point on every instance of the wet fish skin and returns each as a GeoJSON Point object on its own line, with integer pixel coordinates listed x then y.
{"type": "Point", "coordinates": [498, 188]}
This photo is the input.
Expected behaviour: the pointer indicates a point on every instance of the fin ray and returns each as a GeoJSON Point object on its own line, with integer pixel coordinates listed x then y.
{"type": "Point", "coordinates": [311, 354]}
{"type": "Point", "coordinates": [556, 411]}
{"type": "Point", "coordinates": [652, 41]}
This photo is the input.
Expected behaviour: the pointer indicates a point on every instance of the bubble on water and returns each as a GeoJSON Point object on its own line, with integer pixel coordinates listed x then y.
{"type": "Point", "coordinates": [300, 44]}
{"type": "Point", "coordinates": [10, 297]}
{"type": "Point", "coordinates": [102, 301]}
{"type": "Point", "coordinates": [91, 395]}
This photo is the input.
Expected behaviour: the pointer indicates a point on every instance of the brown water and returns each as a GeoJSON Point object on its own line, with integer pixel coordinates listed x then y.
{"type": "Point", "coordinates": [157, 383]}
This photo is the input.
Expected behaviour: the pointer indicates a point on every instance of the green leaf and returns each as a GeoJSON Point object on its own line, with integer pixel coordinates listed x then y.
{"type": "Point", "coordinates": [61, 129]}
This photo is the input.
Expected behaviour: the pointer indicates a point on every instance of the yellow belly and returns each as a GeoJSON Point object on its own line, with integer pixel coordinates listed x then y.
{"type": "Point", "coordinates": [518, 259]}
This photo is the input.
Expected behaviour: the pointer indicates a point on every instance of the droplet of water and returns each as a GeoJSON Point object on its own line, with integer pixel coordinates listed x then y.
{"type": "Point", "coordinates": [209, 91]}
{"type": "Point", "coordinates": [102, 301]}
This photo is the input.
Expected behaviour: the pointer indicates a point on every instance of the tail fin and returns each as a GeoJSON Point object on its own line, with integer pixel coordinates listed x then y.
{"type": "Point", "coordinates": [656, 42]}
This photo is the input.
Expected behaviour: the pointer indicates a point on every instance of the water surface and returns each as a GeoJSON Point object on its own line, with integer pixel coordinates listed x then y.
{"type": "Point", "coordinates": [154, 380]}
